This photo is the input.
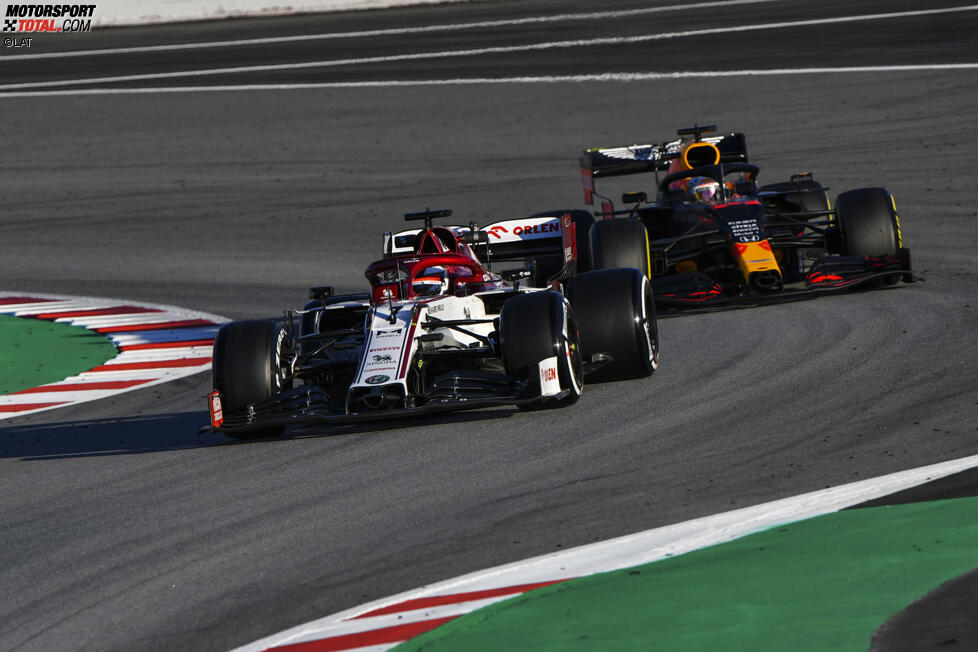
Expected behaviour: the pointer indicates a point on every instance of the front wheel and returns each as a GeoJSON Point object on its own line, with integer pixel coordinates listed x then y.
{"type": "Point", "coordinates": [248, 367]}
{"type": "Point", "coordinates": [616, 313]}
{"type": "Point", "coordinates": [869, 226]}
{"type": "Point", "coordinates": [868, 222]}
{"type": "Point", "coordinates": [534, 327]}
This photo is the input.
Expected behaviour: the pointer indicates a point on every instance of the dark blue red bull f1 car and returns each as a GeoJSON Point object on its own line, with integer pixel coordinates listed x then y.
{"type": "Point", "coordinates": [713, 235]}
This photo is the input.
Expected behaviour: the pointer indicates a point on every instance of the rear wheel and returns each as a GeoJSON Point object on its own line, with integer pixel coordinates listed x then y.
{"type": "Point", "coordinates": [248, 369]}
{"type": "Point", "coordinates": [618, 243]}
{"type": "Point", "coordinates": [616, 314]}
{"type": "Point", "coordinates": [537, 326]}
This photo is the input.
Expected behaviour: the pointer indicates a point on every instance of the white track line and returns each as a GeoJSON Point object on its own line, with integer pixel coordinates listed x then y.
{"type": "Point", "coordinates": [623, 552]}
{"type": "Point", "coordinates": [38, 308]}
{"type": "Point", "coordinates": [161, 336]}
{"type": "Point", "coordinates": [623, 77]}
{"type": "Point", "coordinates": [141, 355]}
{"type": "Point", "coordinates": [486, 24]}
{"type": "Point", "coordinates": [416, 56]}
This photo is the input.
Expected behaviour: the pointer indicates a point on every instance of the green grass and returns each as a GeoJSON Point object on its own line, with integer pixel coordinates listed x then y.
{"type": "Point", "coordinates": [36, 352]}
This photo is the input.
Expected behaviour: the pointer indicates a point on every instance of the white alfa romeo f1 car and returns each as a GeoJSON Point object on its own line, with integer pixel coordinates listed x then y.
{"type": "Point", "coordinates": [438, 330]}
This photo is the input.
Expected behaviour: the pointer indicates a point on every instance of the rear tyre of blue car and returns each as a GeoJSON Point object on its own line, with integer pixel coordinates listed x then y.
{"type": "Point", "coordinates": [536, 326]}
{"type": "Point", "coordinates": [247, 368]}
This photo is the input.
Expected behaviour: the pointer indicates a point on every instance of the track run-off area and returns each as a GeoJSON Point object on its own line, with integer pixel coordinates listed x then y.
{"type": "Point", "coordinates": [227, 166]}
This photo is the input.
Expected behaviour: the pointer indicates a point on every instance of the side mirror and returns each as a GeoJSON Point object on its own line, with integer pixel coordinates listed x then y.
{"type": "Point", "coordinates": [634, 198]}
{"type": "Point", "coordinates": [475, 237]}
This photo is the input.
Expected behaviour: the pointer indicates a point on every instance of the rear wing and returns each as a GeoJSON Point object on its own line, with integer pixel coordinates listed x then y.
{"type": "Point", "coordinates": [514, 239]}
{"type": "Point", "coordinates": [633, 159]}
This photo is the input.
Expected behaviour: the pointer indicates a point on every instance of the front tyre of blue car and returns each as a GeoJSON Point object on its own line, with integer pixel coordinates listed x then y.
{"type": "Point", "coordinates": [869, 226]}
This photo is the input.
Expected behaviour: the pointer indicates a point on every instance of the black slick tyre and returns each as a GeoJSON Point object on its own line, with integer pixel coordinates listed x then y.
{"type": "Point", "coordinates": [868, 222]}
{"type": "Point", "coordinates": [869, 226]}
{"type": "Point", "coordinates": [536, 326]}
{"type": "Point", "coordinates": [618, 243]}
{"type": "Point", "coordinates": [247, 368]}
{"type": "Point", "coordinates": [616, 315]}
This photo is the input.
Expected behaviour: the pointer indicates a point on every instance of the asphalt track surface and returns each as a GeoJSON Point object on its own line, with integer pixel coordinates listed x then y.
{"type": "Point", "coordinates": [123, 527]}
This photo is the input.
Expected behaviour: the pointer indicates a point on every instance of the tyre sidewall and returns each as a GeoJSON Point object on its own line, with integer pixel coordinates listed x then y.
{"type": "Point", "coordinates": [612, 308]}
{"type": "Point", "coordinates": [868, 222]}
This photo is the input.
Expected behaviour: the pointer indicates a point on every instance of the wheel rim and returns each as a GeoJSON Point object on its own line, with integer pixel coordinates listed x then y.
{"type": "Point", "coordinates": [281, 373]}
{"type": "Point", "coordinates": [649, 331]}
{"type": "Point", "coordinates": [571, 353]}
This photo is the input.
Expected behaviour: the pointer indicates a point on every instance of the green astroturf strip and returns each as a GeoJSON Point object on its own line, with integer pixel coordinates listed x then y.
{"type": "Point", "coordinates": [822, 584]}
{"type": "Point", "coordinates": [36, 352]}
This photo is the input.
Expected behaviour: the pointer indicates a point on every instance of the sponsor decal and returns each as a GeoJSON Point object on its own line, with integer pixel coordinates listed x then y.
{"type": "Point", "coordinates": [527, 230]}
{"type": "Point", "coordinates": [569, 235]}
{"type": "Point", "coordinates": [537, 229]}
{"type": "Point", "coordinates": [745, 230]}
{"type": "Point", "coordinates": [382, 358]}
{"type": "Point", "coordinates": [24, 18]}
{"type": "Point", "coordinates": [438, 307]}
{"type": "Point", "coordinates": [496, 230]}
{"type": "Point", "coordinates": [549, 382]}
{"type": "Point", "coordinates": [378, 379]}
{"type": "Point", "coordinates": [217, 410]}
{"type": "Point", "coordinates": [386, 334]}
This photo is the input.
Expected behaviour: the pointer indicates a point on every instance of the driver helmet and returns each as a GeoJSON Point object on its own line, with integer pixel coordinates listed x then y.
{"type": "Point", "coordinates": [431, 282]}
{"type": "Point", "coordinates": [704, 189]}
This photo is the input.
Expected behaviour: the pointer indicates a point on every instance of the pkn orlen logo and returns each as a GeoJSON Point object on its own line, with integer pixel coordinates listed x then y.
{"type": "Point", "coordinates": [48, 18]}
